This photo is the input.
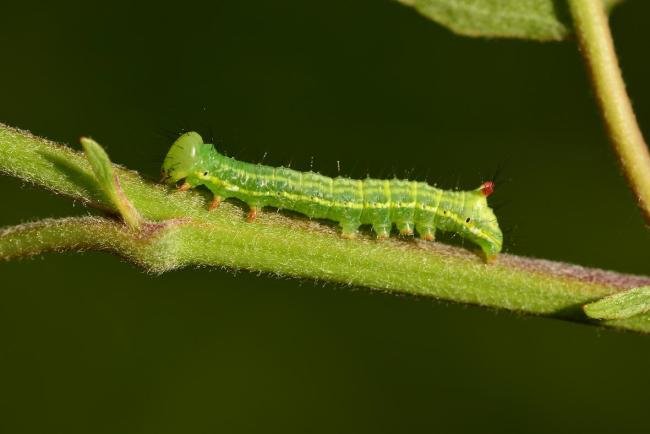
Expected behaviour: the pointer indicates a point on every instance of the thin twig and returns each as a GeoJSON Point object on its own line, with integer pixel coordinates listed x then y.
{"type": "Point", "coordinates": [597, 46]}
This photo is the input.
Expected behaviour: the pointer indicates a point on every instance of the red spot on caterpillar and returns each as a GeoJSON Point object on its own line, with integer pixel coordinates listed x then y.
{"type": "Point", "coordinates": [487, 188]}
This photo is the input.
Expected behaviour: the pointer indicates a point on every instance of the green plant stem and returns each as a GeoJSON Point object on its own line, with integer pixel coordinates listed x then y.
{"type": "Point", "coordinates": [177, 231]}
{"type": "Point", "coordinates": [438, 271]}
{"type": "Point", "coordinates": [595, 39]}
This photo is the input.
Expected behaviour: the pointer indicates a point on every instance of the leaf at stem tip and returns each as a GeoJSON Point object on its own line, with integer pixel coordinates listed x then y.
{"type": "Point", "coordinates": [541, 20]}
{"type": "Point", "coordinates": [109, 182]}
{"type": "Point", "coordinates": [622, 305]}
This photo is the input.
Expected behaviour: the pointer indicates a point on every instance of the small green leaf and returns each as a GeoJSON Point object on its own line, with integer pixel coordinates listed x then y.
{"type": "Point", "coordinates": [622, 305]}
{"type": "Point", "coordinates": [542, 20]}
{"type": "Point", "coordinates": [109, 182]}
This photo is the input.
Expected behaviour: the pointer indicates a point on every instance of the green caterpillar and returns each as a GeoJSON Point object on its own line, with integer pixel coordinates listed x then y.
{"type": "Point", "coordinates": [412, 206]}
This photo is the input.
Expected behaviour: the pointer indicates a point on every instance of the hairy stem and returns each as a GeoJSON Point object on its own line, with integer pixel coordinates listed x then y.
{"type": "Point", "coordinates": [177, 231]}
{"type": "Point", "coordinates": [595, 39]}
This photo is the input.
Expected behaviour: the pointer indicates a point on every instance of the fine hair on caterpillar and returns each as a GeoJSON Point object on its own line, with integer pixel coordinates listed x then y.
{"type": "Point", "coordinates": [413, 207]}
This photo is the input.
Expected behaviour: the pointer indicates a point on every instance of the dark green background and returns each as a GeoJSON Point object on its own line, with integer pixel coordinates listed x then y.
{"type": "Point", "coordinates": [90, 344]}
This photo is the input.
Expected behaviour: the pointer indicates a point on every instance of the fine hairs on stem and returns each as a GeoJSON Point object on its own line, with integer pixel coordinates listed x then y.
{"type": "Point", "coordinates": [174, 227]}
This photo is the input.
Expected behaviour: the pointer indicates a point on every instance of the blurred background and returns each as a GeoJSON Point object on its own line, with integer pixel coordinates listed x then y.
{"type": "Point", "coordinates": [91, 344]}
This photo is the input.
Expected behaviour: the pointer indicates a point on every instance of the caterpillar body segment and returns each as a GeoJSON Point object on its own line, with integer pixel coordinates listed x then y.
{"type": "Point", "coordinates": [412, 206]}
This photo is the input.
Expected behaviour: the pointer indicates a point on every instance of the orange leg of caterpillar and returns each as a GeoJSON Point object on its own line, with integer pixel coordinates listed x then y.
{"type": "Point", "coordinates": [427, 234]}
{"type": "Point", "coordinates": [405, 228]}
{"type": "Point", "coordinates": [184, 187]}
{"type": "Point", "coordinates": [382, 230]}
{"type": "Point", "coordinates": [428, 237]}
{"type": "Point", "coordinates": [216, 201]}
{"type": "Point", "coordinates": [252, 214]}
{"type": "Point", "coordinates": [349, 230]}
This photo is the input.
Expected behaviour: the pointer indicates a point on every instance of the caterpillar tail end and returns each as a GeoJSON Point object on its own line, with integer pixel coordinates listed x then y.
{"type": "Point", "coordinates": [490, 259]}
{"type": "Point", "coordinates": [488, 255]}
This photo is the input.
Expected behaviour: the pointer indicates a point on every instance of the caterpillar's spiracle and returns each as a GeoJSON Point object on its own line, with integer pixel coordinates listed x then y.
{"type": "Point", "coordinates": [410, 205]}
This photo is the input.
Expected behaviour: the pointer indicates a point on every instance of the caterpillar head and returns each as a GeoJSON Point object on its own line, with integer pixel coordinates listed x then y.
{"type": "Point", "coordinates": [480, 224]}
{"type": "Point", "coordinates": [184, 158]}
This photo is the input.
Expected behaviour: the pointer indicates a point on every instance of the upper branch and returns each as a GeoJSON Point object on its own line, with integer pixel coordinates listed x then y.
{"type": "Point", "coordinates": [597, 46]}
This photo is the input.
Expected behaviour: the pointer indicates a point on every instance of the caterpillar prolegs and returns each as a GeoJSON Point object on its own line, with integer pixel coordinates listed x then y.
{"type": "Point", "coordinates": [412, 206]}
